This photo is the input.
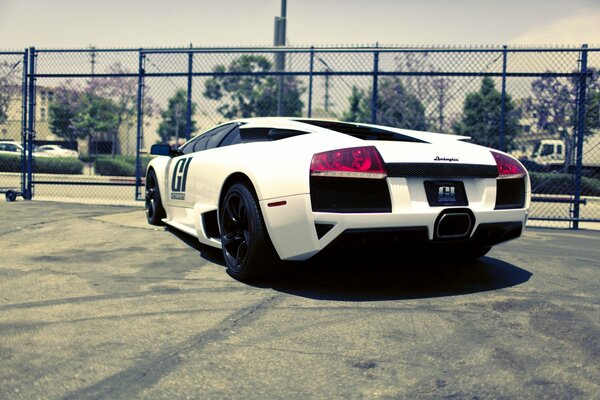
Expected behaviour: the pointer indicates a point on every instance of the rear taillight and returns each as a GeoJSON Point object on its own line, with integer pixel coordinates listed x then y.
{"type": "Point", "coordinates": [508, 167]}
{"type": "Point", "coordinates": [353, 162]}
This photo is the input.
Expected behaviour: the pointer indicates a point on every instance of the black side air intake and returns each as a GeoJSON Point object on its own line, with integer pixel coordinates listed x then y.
{"type": "Point", "coordinates": [510, 193]}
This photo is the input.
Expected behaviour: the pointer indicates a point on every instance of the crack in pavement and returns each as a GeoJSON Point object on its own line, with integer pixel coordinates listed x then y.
{"type": "Point", "coordinates": [318, 353]}
{"type": "Point", "coordinates": [43, 223]}
{"type": "Point", "coordinates": [130, 382]}
{"type": "Point", "coordinates": [113, 296]}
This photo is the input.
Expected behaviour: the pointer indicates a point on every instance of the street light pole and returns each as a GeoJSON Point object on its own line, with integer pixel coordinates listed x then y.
{"type": "Point", "coordinates": [279, 40]}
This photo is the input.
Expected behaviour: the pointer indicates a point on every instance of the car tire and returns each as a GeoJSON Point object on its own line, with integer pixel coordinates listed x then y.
{"type": "Point", "coordinates": [154, 208]}
{"type": "Point", "coordinates": [247, 248]}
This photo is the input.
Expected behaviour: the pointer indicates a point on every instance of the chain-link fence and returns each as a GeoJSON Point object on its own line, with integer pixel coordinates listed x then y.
{"type": "Point", "coordinates": [85, 122]}
{"type": "Point", "coordinates": [541, 105]}
{"type": "Point", "coordinates": [12, 120]}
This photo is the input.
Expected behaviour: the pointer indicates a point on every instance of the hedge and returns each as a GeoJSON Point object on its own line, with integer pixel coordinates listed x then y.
{"type": "Point", "coordinates": [118, 166]}
{"type": "Point", "coordinates": [557, 183]}
{"type": "Point", "coordinates": [57, 165]}
{"type": "Point", "coordinates": [10, 163]}
{"type": "Point", "coordinates": [43, 165]}
{"type": "Point", "coordinates": [103, 165]}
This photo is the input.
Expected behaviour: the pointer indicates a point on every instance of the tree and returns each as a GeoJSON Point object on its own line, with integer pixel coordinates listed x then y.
{"type": "Point", "coordinates": [251, 94]}
{"type": "Point", "coordinates": [553, 104]}
{"type": "Point", "coordinates": [9, 87]}
{"type": "Point", "coordinates": [434, 92]}
{"type": "Point", "coordinates": [355, 112]}
{"type": "Point", "coordinates": [481, 117]}
{"type": "Point", "coordinates": [74, 115]}
{"type": "Point", "coordinates": [174, 120]}
{"type": "Point", "coordinates": [122, 91]}
{"type": "Point", "coordinates": [97, 115]}
{"type": "Point", "coordinates": [395, 106]}
{"type": "Point", "coordinates": [399, 107]}
{"type": "Point", "coordinates": [100, 109]}
{"type": "Point", "coordinates": [592, 115]}
{"type": "Point", "coordinates": [63, 114]}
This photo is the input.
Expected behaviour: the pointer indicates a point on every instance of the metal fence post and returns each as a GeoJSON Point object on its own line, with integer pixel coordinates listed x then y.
{"type": "Point", "coordinates": [30, 134]}
{"type": "Point", "coordinates": [374, 94]}
{"type": "Point", "coordinates": [502, 132]}
{"type": "Point", "coordinates": [310, 80]}
{"type": "Point", "coordinates": [24, 121]}
{"type": "Point", "coordinates": [280, 85]}
{"type": "Point", "coordinates": [581, 105]}
{"type": "Point", "coordinates": [140, 126]}
{"type": "Point", "coordinates": [188, 125]}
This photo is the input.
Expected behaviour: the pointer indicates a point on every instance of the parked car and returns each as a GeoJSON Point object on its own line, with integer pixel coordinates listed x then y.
{"type": "Point", "coordinates": [270, 189]}
{"type": "Point", "coordinates": [10, 148]}
{"type": "Point", "coordinates": [53, 150]}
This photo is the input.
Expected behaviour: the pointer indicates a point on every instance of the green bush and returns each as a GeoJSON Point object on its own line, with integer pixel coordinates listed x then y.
{"type": "Point", "coordinates": [131, 160]}
{"type": "Point", "coordinates": [118, 166]}
{"type": "Point", "coordinates": [58, 165]}
{"type": "Point", "coordinates": [43, 165]}
{"type": "Point", "coordinates": [558, 183]}
{"type": "Point", "coordinates": [10, 163]}
{"type": "Point", "coordinates": [86, 158]}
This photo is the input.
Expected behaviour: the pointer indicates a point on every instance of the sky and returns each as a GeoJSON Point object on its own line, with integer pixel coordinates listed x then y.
{"type": "Point", "coordinates": [226, 23]}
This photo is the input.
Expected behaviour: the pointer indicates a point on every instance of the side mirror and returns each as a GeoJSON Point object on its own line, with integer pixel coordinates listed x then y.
{"type": "Point", "coordinates": [163, 149]}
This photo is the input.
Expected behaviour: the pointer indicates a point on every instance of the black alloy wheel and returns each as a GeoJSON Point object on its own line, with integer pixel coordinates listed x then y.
{"type": "Point", "coordinates": [247, 249]}
{"type": "Point", "coordinates": [154, 209]}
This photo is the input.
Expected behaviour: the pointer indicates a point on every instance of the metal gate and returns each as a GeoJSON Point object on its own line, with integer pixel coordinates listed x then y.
{"type": "Point", "coordinates": [13, 106]}
{"type": "Point", "coordinates": [81, 125]}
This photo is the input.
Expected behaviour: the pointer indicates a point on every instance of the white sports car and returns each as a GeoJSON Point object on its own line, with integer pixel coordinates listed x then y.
{"type": "Point", "coordinates": [271, 189]}
{"type": "Point", "coordinates": [53, 150]}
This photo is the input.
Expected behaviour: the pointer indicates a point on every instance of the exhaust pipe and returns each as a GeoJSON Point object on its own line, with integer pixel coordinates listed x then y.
{"type": "Point", "coordinates": [454, 225]}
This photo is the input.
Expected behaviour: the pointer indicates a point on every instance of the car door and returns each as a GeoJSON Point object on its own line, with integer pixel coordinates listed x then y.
{"type": "Point", "coordinates": [184, 170]}
{"type": "Point", "coordinates": [177, 180]}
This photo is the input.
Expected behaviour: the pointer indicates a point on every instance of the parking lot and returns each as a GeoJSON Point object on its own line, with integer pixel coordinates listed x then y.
{"type": "Point", "coordinates": [95, 303]}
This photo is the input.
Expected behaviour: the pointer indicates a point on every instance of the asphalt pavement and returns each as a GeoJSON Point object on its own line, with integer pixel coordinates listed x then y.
{"type": "Point", "coordinates": [96, 304]}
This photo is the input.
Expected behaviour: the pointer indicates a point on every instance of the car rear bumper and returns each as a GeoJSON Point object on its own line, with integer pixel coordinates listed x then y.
{"type": "Point", "coordinates": [298, 233]}
{"type": "Point", "coordinates": [414, 240]}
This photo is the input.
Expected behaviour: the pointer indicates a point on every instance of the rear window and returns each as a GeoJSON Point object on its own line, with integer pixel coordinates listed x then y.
{"type": "Point", "coordinates": [249, 135]}
{"type": "Point", "coordinates": [362, 132]}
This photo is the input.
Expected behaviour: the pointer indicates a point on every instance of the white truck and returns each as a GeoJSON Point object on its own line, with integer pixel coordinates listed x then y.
{"type": "Point", "coordinates": [551, 153]}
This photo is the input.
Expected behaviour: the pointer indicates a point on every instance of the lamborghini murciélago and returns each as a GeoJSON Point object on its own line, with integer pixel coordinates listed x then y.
{"type": "Point", "coordinates": [271, 189]}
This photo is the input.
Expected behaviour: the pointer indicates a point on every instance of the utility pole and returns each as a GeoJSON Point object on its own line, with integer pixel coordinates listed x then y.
{"type": "Point", "coordinates": [279, 40]}
{"type": "Point", "coordinates": [177, 116]}
{"type": "Point", "coordinates": [326, 99]}
{"type": "Point", "coordinates": [93, 59]}
{"type": "Point", "coordinates": [440, 85]}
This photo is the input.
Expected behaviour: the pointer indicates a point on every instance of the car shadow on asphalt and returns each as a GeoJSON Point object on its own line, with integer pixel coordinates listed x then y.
{"type": "Point", "coordinates": [209, 253]}
{"type": "Point", "coordinates": [387, 277]}
{"type": "Point", "coordinates": [362, 279]}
